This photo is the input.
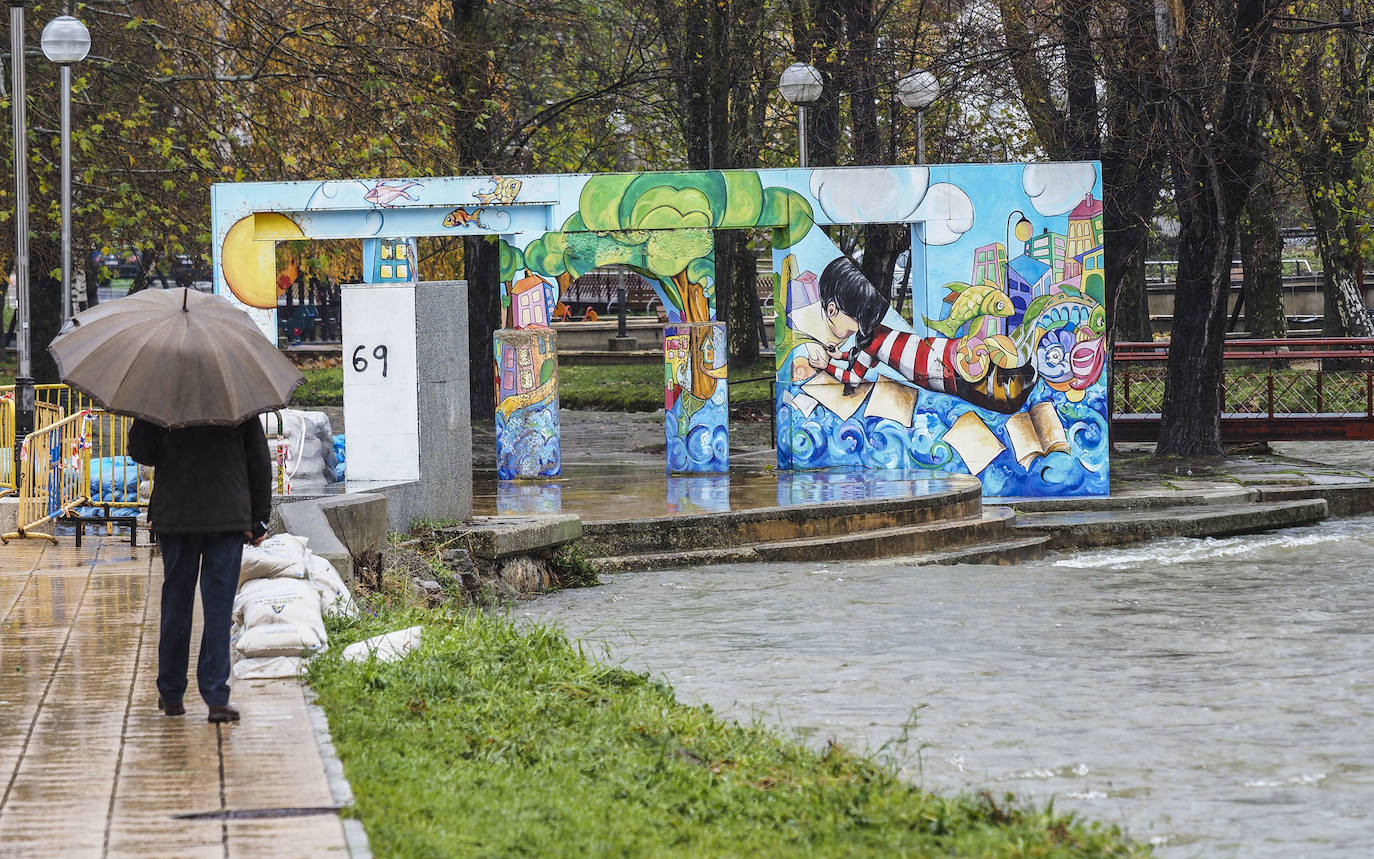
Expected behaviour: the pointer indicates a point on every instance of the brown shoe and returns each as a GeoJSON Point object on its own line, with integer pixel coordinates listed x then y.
{"type": "Point", "coordinates": [227, 713]}
{"type": "Point", "coordinates": [174, 709]}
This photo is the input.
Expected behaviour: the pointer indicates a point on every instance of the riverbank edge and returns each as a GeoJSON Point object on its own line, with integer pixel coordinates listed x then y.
{"type": "Point", "coordinates": [504, 737]}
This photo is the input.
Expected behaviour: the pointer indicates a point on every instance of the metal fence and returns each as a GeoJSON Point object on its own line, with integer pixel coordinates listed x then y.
{"type": "Point", "coordinates": [1271, 389]}
{"type": "Point", "coordinates": [8, 484]}
{"type": "Point", "coordinates": [55, 475]}
{"type": "Point", "coordinates": [117, 486]}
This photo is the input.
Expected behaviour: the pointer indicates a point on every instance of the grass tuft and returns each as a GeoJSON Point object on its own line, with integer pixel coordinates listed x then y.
{"type": "Point", "coordinates": [497, 738]}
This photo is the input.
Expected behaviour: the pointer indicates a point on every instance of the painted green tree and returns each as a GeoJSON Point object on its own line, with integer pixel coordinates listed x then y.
{"type": "Point", "coordinates": [663, 226]}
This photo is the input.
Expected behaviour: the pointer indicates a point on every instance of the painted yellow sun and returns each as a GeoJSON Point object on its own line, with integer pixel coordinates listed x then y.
{"type": "Point", "coordinates": [249, 264]}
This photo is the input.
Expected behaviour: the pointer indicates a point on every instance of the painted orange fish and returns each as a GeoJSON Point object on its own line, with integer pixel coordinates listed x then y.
{"type": "Point", "coordinates": [461, 217]}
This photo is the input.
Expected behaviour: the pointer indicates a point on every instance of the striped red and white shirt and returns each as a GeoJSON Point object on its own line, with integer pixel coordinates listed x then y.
{"type": "Point", "coordinates": [927, 362]}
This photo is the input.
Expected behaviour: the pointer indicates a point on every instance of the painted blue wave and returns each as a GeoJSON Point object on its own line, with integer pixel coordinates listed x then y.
{"type": "Point", "coordinates": [705, 448]}
{"type": "Point", "coordinates": [528, 442]}
{"type": "Point", "coordinates": [822, 440]}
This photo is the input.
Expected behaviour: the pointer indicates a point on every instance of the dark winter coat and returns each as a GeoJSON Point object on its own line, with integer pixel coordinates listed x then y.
{"type": "Point", "coordinates": [208, 479]}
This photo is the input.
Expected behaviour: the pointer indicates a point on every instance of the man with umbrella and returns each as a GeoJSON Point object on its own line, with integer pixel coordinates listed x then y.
{"type": "Point", "coordinates": [195, 372]}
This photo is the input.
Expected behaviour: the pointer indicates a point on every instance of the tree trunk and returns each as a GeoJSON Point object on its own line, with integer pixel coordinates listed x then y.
{"type": "Point", "coordinates": [147, 262]}
{"type": "Point", "coordinates": [1215, 155]}
{"type": "Point", "coordinates": [742, 334]}
{"type": "Point", "coordinates": [1338, 242]}
{"type": "Point", "coordinates": [1261, 258]}
{"type": "Point", "coordinates": [817, 33]}
{"type": "Point", "coordinates": [1191, 420]}
{"type": "Point", "coordinates": [45, 308]}
{"type": "Point", "coordinates": [482, 270]}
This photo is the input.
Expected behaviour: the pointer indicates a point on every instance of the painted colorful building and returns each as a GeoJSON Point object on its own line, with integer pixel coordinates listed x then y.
{"type": "Point", "coordinates": [990, 265]}
{"type": "Point", "coordinates": [1049, 248]}
{"type": "Point", "coordinates": [1027, 279]}
{"type": "Point", "coordinates": [1085, 232]}
{"type": "Point", "coordinates": [531, 301]}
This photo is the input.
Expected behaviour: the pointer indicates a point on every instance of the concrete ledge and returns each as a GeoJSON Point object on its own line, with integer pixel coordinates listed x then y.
{"type": "Point", "coordinates": [490, 538]}
{"type": "Point", "coordinates": [1141, 500]}
{"type": "Point", "coordinates": [338, 527]}
{"type": "Point", "coordinates": [1086, 530]}
{"type": "Point", "coordinates": [359, 521]}
{"type": "Point", "coordinates": [771, 524]}
{"type": "Point", "coordinates": [9, 514]}
{"type": "Point", "coordinates": [1342, 499]}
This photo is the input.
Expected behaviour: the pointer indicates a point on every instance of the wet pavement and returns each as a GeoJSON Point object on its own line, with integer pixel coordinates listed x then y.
{"type": "Point", "coordinates": [606, 493]}
{"type": "Point", "coordinates": [89, 767]}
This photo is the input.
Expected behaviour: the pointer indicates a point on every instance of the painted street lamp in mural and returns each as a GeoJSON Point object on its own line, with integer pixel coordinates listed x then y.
{"type": "Point", "coordinates": [918, 91]}
{"type": "Point", "coordinates": [800, 85]}
{"type": "Point", "coordinates": [1020, 292]}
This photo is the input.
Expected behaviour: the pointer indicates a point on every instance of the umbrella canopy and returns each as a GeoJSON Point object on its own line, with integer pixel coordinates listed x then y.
{"type": "Point", "coordinates": [175, 357]}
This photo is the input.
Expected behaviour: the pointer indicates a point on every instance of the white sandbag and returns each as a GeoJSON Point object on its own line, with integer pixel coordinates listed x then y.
{"type": "Point", "coordinates": [335, 598]}
{"type": "Point", "coordinates": [278, 639]}
{"type": "Point", "coordinates": [279, 602]}
{"type": "Point", "coordinates": [309, 439]}
{"type": "Point", "coordinates": [268, 667]}
{"type": "Point", "coordinates": [281, 555]}
{"type": "Point", "coordinates": [388, 647]}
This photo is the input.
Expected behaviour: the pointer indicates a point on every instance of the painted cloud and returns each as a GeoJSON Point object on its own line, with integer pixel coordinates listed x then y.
{"type": "Point", "coordinates": [1056, 188]}
{"type": "Point", "coordinates": [862, 195]}
{"type": "Point", "coordinates": [947, 212]}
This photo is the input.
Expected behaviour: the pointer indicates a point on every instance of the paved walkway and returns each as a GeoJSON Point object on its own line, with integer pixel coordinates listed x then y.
{"type": "Point", "coordinates": [89, 767]}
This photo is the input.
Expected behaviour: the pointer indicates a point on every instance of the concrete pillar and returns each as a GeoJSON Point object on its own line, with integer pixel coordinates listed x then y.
{"type": "Point", "coordinates": [406, 401]}
{"type": "Point", "coordinates": [528, 439]}
{"type": "Point", "coordinates": [696, 399]}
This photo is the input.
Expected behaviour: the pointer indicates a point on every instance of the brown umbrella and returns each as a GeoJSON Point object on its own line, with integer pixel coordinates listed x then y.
{"type": "Point", "coordinates": [175, 357]}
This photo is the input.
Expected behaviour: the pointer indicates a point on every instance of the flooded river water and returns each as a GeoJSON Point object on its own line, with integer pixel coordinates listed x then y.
{"type": "Point", "coordinates": [1213, 697]}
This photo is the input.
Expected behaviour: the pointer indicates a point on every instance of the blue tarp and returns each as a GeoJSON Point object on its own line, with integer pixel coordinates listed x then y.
{"type": "Point", "coordinates": [113, 478]}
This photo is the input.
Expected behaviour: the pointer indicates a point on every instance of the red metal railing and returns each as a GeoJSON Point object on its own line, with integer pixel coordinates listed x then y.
{"type": "Point", "coordinates": [1271, 389]}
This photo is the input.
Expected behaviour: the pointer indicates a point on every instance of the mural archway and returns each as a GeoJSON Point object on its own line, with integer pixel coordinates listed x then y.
{"type": "Point", "coordinates": [999, 376]}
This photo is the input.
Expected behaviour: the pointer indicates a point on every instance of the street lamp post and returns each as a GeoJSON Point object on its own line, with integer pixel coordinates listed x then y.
{"type": "Point", "coordinates": [65, 41]}
{"type": "Point", "coordinates": [800, 85]}
{"type": "Point", "coordinates": [24, 405]}
{"type": "Point", "coordinates": [918, 90]}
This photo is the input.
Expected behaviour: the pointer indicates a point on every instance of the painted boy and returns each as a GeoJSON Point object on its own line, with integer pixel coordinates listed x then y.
{"type": "Point", "coordinates": [854, 308]}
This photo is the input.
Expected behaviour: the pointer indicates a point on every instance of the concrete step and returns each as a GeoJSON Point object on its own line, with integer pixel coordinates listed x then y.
{"type": "Point", "coordinates": [998, 552]}
{"type": "Point", "coordinates": [1189, 494]}
{"type": "Point", "coordinates": [990, 524]}
{"type": "Point", "coordinates": [1087, 529]}
{"type": "Point", "coordinates": [670, 534]}
{"type": "Point", "coordinates": [985, 529]}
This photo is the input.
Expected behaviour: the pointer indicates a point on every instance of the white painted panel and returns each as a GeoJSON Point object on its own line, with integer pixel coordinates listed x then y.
{"type": "Point", "coordinates": [381, 401]}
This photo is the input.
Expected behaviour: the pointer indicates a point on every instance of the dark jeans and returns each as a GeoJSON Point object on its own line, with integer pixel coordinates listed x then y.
{"type": "Point", "coordinates": [215, 559]}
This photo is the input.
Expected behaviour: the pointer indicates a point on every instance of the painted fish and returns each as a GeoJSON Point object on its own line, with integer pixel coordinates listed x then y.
{"type": "Point", "coordinates": [503, 190]}
{"type": "Point", "coordinates": [1052, 312]}
{"type": "Point", "coordinates": [973, 302]}
{"type": "Point", "coordinates": [461, 217]}
{"type": "Point", "coordinates": [386, 195]}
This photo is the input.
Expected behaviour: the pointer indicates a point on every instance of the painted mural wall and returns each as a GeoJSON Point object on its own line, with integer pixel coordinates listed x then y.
{"type": "Point", "coordinates": [996, 370]}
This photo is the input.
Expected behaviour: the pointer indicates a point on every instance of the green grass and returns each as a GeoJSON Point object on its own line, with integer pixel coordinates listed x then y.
{"type": "Point", "coordinates": [323, 387]}
{"type": "Point", "coordinates": [498, 740]}
{"type": "Point", "coordinates": [639, 387]}
{"type": "Point", "coordinates": [607, 388]}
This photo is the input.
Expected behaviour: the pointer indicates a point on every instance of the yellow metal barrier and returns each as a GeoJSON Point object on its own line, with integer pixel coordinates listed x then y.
{"type": "Point", "coordinates": [55, 474]}
{"type": "Point", "coordinates": [119, 482]}
{"type": "Point", "coordinates": [8, 485]}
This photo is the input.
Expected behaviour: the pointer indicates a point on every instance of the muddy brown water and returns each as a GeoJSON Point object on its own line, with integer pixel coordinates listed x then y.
{"type": "Point", "coordinates": [1212, 697]}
